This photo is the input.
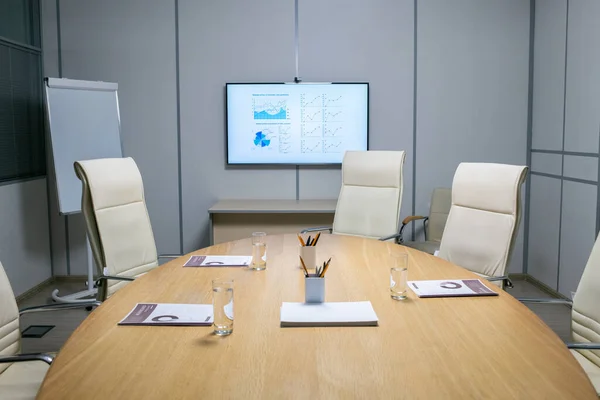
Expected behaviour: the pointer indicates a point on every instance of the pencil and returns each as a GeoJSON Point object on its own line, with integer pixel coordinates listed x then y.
{"type": "Point", "coordinates": [325, 268]}
{"type": "Point", "coordinates": [314, 243]}
{"type": "Point", "coordinates": [304, 266]}
{"type": "Point", "coordinates": [301, 240]}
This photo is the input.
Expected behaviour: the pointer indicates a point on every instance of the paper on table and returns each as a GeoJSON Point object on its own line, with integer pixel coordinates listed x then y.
{"type": "Point", "coordinates": [359, 313]}
{"type": "Point", "coordinates": [218, 261]}
{"type": "Point", "coordinates": [169, 314]}
{"type": "Point", "coordinates": [450, 288]}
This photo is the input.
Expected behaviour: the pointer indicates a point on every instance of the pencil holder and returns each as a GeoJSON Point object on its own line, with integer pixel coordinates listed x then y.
{"type": "Point", "coordinates": [309, 256]}
{"type": "Point", "coordinates": [314, 290]}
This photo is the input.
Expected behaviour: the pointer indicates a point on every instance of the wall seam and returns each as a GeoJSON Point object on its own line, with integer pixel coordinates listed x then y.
{"type": "Point", "coordinates": [566, 153]}
{"type": "Point", "coordinates": [297, 77]}
{"type": "Point", "coordinates": [45, 129]}
{"type": "Point", "coordinates": [565, 178]}
{"type": "Point", "coordinates": [563, 148]}
{"type": "Point", "coordinates": [598, 191]}
{"type": "Point", "coordinates": [526, 220]}
{"type": "Point", "coordinates": [178, 97]}
{"type": "Point", "coordinates": [60, 75]}
{"type": "Point", "coordinates": [58, 38]}
{"type": "Point", "coordinates": [414, 146]}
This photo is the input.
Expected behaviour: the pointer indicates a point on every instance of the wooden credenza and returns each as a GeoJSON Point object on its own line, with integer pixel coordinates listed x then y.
{"type": "Point", "coordinates": [237, 219]}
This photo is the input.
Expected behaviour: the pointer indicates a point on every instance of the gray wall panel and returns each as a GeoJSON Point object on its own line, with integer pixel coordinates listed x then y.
{"type": "Point", "coordinates": [578, 233]}
{"type": "Point", "coordinates": [51, 69]}
{"type": "Point", "coordinates": [78, 256]}
{"type": "Point", "coordinates": [133, 43]}
{"type": "Point", "coordinates": [49, 37]}
{"type": "Point", "coordinates": [319, 183]}
{"type": "Point", "coordinates": [227, 41]}
{"type": "Point", "coordinates": [516, 260]}
{"type": "Point", "coordinates": [372, 41]}
{"type": "Point", "coordinates": [581, 167]}
{"type": "Point", "coordinates": [24, 241]}
{"type": "Point", "coordinates": [57, 228]}
{"type": "Point", "coordinates": [546, 163]}
{"type": "Point", "coordinates": [544, 223]}
{"type": "Point", "coordinates": [473, 60]}
{"type": "Point", "coordinates": [582, 120]}
{"type": "Point", "coordinates": [549, 74]}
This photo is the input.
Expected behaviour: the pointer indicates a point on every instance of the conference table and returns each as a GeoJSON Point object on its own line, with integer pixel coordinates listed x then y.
{"type": "Point", "coordinates": [426, 348]}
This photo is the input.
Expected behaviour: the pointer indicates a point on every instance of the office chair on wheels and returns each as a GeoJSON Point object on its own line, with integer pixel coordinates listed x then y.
{"type": "Point", "coordinates": [117, 221]}
{"type": "Point", "coordinates": [484, 219]}
{"type": "Point", "coordinates": [371, 195]}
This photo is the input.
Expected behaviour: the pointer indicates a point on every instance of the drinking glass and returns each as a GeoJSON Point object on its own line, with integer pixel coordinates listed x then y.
{"type": "Point", "coordinates": [222, 306]}
{"type": "Point", "coordinates": [398, 276]}
{"type": "Point", "coordinates": [259, 251]}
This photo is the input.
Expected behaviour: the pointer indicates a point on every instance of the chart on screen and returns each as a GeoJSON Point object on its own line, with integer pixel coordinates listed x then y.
{"type": "Point", "coordinates": [295, 124]}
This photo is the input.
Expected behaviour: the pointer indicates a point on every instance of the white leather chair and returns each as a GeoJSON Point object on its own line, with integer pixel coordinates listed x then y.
{"type": "Point", "coordinates": [117, 221]}
{"type": "Point", "coordinates": [433, 224]}
{"type": "Point", "coordinates": [585, 317]}
{"type": "Point", "coordinates": [484, 218]}
{"type": "Point", "coordinates": [371, 195]}
{"type": "Point", "coordinates": [21, 374]}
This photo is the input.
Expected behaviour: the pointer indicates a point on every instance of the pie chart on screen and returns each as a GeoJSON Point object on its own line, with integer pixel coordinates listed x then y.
{"type": "Point", "coordinates": [260, 139]}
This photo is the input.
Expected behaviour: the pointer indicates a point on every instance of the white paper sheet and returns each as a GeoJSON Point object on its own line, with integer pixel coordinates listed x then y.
{"type": "Point", "coordinates": [359, 313]}
{"type": "Point", "coordinates": [450, 288]}
{"type": "Point", "coordinates": [218, 261]}
{"type": "Point", "coordinates": [169, 314]}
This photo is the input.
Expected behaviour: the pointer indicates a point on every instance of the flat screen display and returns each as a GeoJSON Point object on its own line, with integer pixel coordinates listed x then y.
{"type": "Point", "coordinates": [295, 123]}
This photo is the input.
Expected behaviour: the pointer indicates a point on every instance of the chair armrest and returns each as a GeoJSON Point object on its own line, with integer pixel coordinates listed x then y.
{"type": "Point", "coordinates": [27, 357]}
{"type": "Point", "coordinates": [399, 238]}
{"type": "Point", "coordinates": [59, 307]}
{"type": "Point", "coordinates": [583, 346]}
{"type": "Point", "coordinates": [317, 229]}
{"type": "Point", "coordinates": [169, 255]}
{"type": "Point", "coordinates": [110, 277]}
{"type": "Point", "coordinates": [413, 218]}
{"type": "Point", "coordinates": [546, 301]}
{"type": "Point", "coordinates": [394, 236]}
{"type": "Point", "coordinates": [504, 278]}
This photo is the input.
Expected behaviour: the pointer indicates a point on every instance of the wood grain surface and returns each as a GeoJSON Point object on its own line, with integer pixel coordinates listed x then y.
{"type": "Point", "coordinates": [438, 348]}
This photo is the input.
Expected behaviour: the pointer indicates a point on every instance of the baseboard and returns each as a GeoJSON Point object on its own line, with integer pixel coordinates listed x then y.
{"type": "Point", "coordinates": [71, 278]}
{"type": "Point", "coordinates": [518, 277]}
{"type": "Point", "coordinates": [544, 288]}
{"type": "Point", "coordinates": [31, 292]}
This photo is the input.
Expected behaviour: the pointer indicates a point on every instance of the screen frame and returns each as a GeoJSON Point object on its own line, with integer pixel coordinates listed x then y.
{"type": "Point", "coordinates": [227, 84]}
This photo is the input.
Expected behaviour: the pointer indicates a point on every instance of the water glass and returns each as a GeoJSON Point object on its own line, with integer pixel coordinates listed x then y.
{"type": "Point", "coordinates": [259, 251]}
{"type": "Point", "coordinates": [398, 276]}
{"type": "Point", "coordinates": [222, 306]}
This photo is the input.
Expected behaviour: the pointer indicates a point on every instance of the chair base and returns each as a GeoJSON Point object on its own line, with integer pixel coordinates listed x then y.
{"type": "Point", "coordinates": [79, 297]}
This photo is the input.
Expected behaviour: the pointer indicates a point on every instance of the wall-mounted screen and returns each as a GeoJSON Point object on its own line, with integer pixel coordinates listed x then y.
{"type": "Point", "coordinates": [296, 123]}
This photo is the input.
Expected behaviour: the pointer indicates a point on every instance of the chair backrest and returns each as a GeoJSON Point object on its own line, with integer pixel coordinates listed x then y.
{"type": "Point", "coordinates": [10, 336]}
{"type": "Point", "coordinates": [441, 200]}
{"type": "Point", "coordinates": [371, 194]}
{"type": "Point", "coordinates": [117, 220]}
{"type": "Point", "coordinates": [585, 316]}
{"type": "Point", "coordinates": [484, 217]}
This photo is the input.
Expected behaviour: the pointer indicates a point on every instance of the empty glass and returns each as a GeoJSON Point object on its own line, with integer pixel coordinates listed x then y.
{"type": "Point", "coordinates": [259, 251]}
{"type": "Point", "coordinates": [222, 306]}
{"type": "Point", "coordinates": [398, 275]}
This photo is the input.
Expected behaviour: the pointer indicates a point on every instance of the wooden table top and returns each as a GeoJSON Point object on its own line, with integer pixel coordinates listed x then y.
{"type": "Point", "coordinates": [437, 348]}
